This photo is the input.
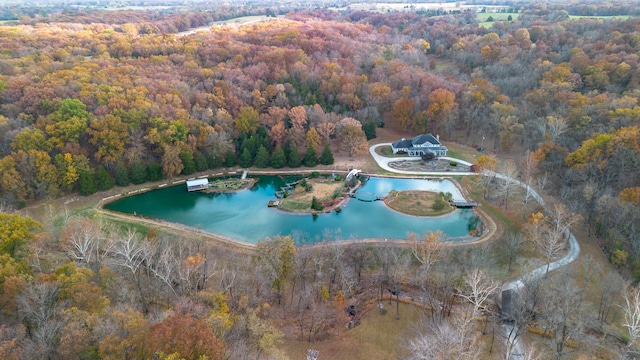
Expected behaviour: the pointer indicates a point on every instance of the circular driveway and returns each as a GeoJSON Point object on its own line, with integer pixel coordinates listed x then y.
{"type": "Point", "coordinates": [384, 163]}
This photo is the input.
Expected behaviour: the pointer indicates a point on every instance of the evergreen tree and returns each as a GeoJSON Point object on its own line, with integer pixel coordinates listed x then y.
{"type": "Point", "coordinates": [230, 159]}
{"type": "Point", "coordinates": [278, 159]}
{"type": "Point", "coordinates": [201, 162]}
{"type": "Point", "coordinates": [103, 180]}
{"type": "Point", "coordinates": [87, 184]}
{"type": "Point", "coordinates": [154, 172]}
{"type": "Point", "coordinates": [251, 144]}
{"type": "Point", "coordinates": [137, 173]}
{"type": "Point", "coordinates": [310, 158]}
{"type": "Point", "coordinates": [121, 175]}
{"type": "Point", "coordinates": [294, 158]}
{"type": "Point", "coordinates": [245, 160]}
{"type": "Point", "coordinates": [214, 162]}
{"type": "Point", "coordinates": [189, 166]}
{"type": "Point", "coordinates": [287, 148]}
{"type": "Point", "coordinates": [326, 158]}
{"type": "Point", "coordinates": [369, 129]}
{"type": "Point", "coordinates": [262, 157]}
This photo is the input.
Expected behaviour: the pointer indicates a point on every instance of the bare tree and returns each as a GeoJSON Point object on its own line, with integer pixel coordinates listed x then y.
{"type": "Point", "coordinates": [39, 307]}
{"type": "Point", "coordinates": [358, 256]}
{"type": "Point", "coordinates": [163, 263]}
{"type": "Point", "coordinates": [82, 235]}
{"type": "Point", "coordinates": [508, 185]}
{"type": "Point", "coordinates": [479, 288]}
{"type": "Point", "coordinates": [556, 126]}
{"type": "Point", "coordinates": [525, 297]}
{"type": "Point", "coordinates": [426, 250]}
{"type": "Point", "coordinates": [551, 234]}
{"type": "Point", "coordinates": [443, 340]}
{"type": "Point", "coordinates": [610, 288]}
{"type": "Point", "coordinates": [512, 247]}
{"type": "Point", "coordinates": [129, 252]}
{"type": "Point", "coordinates": [561, 314]}
{"type": "Point", "coordinates": [631, 310]}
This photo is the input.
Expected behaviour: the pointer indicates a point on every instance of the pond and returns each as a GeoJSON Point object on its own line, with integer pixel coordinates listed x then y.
{"type": "Point", "coordinates": [244, 216]}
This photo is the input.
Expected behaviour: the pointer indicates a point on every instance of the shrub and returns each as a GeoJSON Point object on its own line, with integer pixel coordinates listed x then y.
{"type": "Point", "coordinates": [315, 174]}
{"type": "Point", "coordinates": [453, 163]}
{"type": "Point", "coordinates": [438, 204]}
{"type": "Point", "coordinates": [308, 187]}
{"type": "Point", "coordinates": [315, 205]}
{"type": "Point", "coordinates": [336, 193]}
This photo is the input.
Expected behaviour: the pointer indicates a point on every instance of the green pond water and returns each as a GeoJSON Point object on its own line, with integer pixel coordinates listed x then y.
{"type": "Point", "coordinates": [244, 215]}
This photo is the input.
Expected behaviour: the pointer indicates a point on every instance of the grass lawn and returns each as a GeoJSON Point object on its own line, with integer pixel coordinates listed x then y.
{"type": "Point", "coordinates": [483, 18]}
{"type": "Point", "coordinates": [322, 190]}
{"type": "Point", "coordinates": [614, 17]}
{"type": "Point", "coordinates": [418, 203]}
{"type": "Point", "coordinates": [247, 19]}
{"type": "Point", "coordinates": [462, 152]}
{"type": "Point", "coordinates": [379, 337]}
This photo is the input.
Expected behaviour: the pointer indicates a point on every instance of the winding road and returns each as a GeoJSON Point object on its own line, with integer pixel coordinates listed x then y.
{"type": "Point", "coordinates": [515, 285]}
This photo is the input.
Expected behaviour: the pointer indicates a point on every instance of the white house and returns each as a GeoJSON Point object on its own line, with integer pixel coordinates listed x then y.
{"type": "Point", "coordinates": [197, 184]}
{"type": "Point", "coordinates": [420, 145]}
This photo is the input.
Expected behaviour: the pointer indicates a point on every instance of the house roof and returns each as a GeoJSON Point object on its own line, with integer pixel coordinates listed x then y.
{"type": "Point", "coordinates": [402, 143]}
{"type": "Point", "coordinates": [423, 138]}
{"type": "Point", "coordinates": [418, 140]}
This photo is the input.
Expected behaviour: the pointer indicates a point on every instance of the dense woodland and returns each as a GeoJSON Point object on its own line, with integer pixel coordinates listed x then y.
{"type": "Point", "coordinates": [96, 99]}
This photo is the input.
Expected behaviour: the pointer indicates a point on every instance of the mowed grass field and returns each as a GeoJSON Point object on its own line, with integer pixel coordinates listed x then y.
{"type": "Point", "coordinates": [484, 17]}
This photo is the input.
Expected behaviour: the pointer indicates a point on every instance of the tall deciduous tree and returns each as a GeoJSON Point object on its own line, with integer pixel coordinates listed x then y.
{"type": "Point", "coordinates": [442, 104]}
{"type": "Point", "coordinates": [110, 135]}
{"type": "Point", "coordinates": [353, 141]}
{"type": "Point", "coordinates": [15, 233]}
{"type": "Point", "coordinates": [277, 257]}
{"type": "Point", "coordinates": [403, 113]}
{"type": "Point", "coordinates": [171, 163]}
{"type": "Point", "coordinates": [247, 120]}
{"type": "Point", "coordinates": [185, 337]}
{"type": "Point", "coordinates": [68, 122]}
{"type": "Point", "coordinates": [125, 335]}
{"type": "Point", "coordinates": [313, 139]}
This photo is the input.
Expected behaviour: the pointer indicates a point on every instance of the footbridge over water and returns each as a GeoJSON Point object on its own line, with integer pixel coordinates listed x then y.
{"type": "Point", "coordinates": [366, 196]}
{"type": "Point", "coordinates": [352, 173]}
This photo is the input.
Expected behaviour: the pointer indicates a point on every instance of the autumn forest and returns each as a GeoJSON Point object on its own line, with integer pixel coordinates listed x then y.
{"type": "Point", "coordinates": [92, 100]}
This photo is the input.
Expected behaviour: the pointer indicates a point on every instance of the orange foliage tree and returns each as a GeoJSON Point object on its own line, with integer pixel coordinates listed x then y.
{"type": "Point", "coordinates": [186, 336]}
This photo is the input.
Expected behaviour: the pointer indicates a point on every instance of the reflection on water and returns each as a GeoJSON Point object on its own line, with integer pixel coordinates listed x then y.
{"type": "Point", "coordinates": [244, 215]}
